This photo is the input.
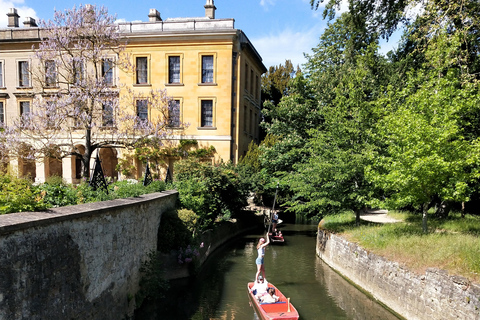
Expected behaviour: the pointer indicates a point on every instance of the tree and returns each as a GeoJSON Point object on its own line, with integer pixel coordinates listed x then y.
{"type": "Point", "coordinates": [77, 99]}
{"type": "Point", "coordinates": [379, 17]}
{"type": "Point", "coordinates": [430, 133]}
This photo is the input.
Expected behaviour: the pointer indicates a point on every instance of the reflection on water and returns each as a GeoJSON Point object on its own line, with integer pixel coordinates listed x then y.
{"type": "Point", "coordinates": [220, 290]}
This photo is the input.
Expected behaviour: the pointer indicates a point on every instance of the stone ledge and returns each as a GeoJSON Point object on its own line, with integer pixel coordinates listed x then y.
{"type": "Point", "coordinates": [23, 220]}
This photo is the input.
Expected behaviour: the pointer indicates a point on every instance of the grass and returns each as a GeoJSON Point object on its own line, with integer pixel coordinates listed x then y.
{"type": "Point", "coordinates": [451, 244]}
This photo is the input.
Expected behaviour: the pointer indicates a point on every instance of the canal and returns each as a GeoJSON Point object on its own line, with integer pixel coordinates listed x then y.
{"type": "Point", "coordinates": [219, 291]}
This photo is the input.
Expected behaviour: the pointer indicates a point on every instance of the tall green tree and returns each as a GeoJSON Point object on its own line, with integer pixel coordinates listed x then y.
{"type": "Point", "coordinates": [431, 133]}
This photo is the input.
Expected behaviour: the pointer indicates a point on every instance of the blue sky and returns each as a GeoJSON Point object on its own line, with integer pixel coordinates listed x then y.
{"type": "Point", "coordinates": [279, 29]}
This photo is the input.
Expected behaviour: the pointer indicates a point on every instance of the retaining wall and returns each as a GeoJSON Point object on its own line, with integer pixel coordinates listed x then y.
{"type": "Point", "coordinates": [432, 295]}
{"type": "Point", "coordinates": [78, 262]}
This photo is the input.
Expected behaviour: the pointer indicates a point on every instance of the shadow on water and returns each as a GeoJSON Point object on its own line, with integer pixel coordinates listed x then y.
{"type": "Point", "coordinates": [219, 290]}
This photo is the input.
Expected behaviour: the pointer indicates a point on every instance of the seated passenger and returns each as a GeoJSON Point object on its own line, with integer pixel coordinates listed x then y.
{"type": "Point", "coordinates": [259, 288]}
{"type": "Point", "coordinates": [270, 297]}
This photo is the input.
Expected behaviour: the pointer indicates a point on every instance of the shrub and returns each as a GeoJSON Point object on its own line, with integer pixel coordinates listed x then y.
{"type": "Point", "coordinates": [153, 284]}
{"type": "Point", "coordinates": [19, 195]}
{"type": "Point", "coordinates": [189, 219]}
{"type": "Point", "coordinates": [56, 193]}
{"type": "Point", "coordinates": [173, 234]}
{"type": "Point", "coordinates": [211, 191]}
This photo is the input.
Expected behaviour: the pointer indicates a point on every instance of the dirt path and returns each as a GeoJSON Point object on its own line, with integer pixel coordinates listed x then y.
{"type": "Point", "coordinates": [378, 216]}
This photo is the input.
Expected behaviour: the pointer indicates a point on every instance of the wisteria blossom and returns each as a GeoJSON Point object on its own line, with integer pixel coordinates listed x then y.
{"type": "Point", "coordinates": [79, 99]}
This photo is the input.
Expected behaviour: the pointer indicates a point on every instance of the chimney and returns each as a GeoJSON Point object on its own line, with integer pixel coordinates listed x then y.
{"type": "Point", "coordinates": [13, 18]}
{"type": "Point", "coordinates": [154, 15]}
{"type": "Point", "coordinates": [29, 22]}
{"type": "Point", "coordinates": [210, 9]}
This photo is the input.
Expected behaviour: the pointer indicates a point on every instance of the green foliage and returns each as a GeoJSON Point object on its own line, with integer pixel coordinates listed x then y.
{"type": "Point", "coordinates": [19, 195]}
{"type": "Point", "coordinates": [454, 246]}
{"type": "Point", "coordinates": [211, 191]}
{"type": "Point", "coordinates": [189, 219]}
{"type": "Point", "coordinates": [56, 193]}
{"type": "Point", "coordinates": [173, 233]}
{"type": "Point", "coordinates": [153, 284]}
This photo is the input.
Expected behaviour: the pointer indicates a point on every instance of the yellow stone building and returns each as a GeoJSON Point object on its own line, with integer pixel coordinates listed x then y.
{"type": "Point", "coordinates": [210, 69]}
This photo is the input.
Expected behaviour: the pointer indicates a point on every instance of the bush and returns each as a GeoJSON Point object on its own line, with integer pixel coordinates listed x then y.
{"type": "Point", "coordinates": [189, 219]}
{"type": "Point", "coordinates": [19, 195]}
{"type": "Point", "coordinates": [211, 191]}
{"type": "Point", "coordinates": [173, 234]}
{"type": "Point", "coordinates": [56, 193]}
{"type": "Point", "coordinates": [153, 284]}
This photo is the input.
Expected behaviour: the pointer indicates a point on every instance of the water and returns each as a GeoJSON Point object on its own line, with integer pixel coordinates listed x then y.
{"type": "Point", "coordinates": [220, 290]}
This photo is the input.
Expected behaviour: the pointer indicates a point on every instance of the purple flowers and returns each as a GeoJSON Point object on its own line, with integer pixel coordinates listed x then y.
{"type": "Point", "coordinates": [187, 255]}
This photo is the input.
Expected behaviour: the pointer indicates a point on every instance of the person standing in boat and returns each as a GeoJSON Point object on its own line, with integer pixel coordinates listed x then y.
{"type": "Point", "coordinates": [262, 243]}
{"type": "Point", "coordinates": [274, 221]}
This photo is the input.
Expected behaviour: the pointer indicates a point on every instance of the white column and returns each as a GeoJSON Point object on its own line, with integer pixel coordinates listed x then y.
{"type": "Point", "coordinates": [40, 170]}
{"type": "Point", "coordinates": [67, 170]}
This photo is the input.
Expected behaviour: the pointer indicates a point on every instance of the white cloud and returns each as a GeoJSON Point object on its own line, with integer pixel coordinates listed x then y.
{"type": "Point", "coordinates": [266, 3]}
{"type": "Point", "coordinates": [22, 10]}
{"type": "Point", "coordinates": [276, 48]}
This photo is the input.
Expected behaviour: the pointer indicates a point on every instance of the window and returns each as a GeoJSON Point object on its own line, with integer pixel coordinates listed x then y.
{"type": "Point", "coordinates": [251, 81]}
{"type": "Point", "coordinates": [174, 113]}
{"type": "Point", "coordinates": [2, 112]}
{"type": "Point", "coordinates": [77, 72]}
{"type": "Point", "coordinates": [174, 69]}
{"type": "Point", "coordinates": [207, 69]}
{"type": "Point", "coordinates": [24, 107]}
{"type": "Point", "coordinates": [256, 88]}
{"type": "Point", "coordinates": [107, 71]}
{"type": "Point", "coordinates": [250, 125]}
{"type": "Point", "coordinates": [207, 113]}
{"type": "Point", "coordinates": [1, 74]}
{"type": "Point", "coordinates": [142, 70]}
{"type": "Point", "coordinates": [80, 112]}
{"type": "Point", "coordinates": [245, 121]}
{"type": "Point", "coordinates": [246, 77]}
{"type": "Point", "coordinates": [23, 74]}
{"type": "Point", "coordinates": [50, 73]}
{"type": "Point", "coordinates": [107, 114]}
{"type": "Point", "coordinates": [142, 110]}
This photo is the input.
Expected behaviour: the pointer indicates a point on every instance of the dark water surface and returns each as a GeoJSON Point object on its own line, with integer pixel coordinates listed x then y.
{"type": "Point", "coordinates": [219, 291]}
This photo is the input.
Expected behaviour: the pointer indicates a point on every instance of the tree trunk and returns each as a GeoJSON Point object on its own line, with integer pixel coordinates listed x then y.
{"type": "Point", "coordinates": [424, 217]}
{"type": "Point", "coordinates": [357, 216]}
{"type": "Point", "coordinates": [87, 155]}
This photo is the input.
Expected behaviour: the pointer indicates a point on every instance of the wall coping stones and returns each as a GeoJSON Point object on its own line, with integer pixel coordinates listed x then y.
{"type": "Point", "coordinates": [23, 220]}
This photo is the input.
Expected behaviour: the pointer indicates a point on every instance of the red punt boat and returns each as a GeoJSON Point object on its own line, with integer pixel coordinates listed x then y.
{"type": "Point", "coordinates": [276, 238]}
{"type": "Point", "coordinates": [281, 310]}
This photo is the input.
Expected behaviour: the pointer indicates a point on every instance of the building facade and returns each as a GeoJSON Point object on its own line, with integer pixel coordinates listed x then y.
{"type": "Point", "coordinates": [210, 69]}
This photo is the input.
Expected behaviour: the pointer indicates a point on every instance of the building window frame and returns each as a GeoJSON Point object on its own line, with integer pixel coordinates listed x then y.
{"type": "Point", "coordinates": [142, 70]}
{"type": "Point", "coordinates": [175, 113]}
{"type": "Point", "coordinates": [24, 107]}
{"type": "Point", "coordinates": [207, 113]}
{"type": "Point", "coordinates": [207, 69]}
{"type": "Point", "coordinates": [3, 104]}
{"type": "Point", "coordinates": [108, 71]}
{"type": "Point", "coordinates": [174, 73]}
{"type": "Point", "coordinates": [108, 120]}
{"type": "Point", "coordinates": [141, 109]}
{"type": "Point", "coordinates": [50, 73]}
{"type": "Point", "coordinates": [23, 73]}
{"type": "Point", "coordinates": [2, 73]}
{"type": "Point", "coordinates": [78, 71]}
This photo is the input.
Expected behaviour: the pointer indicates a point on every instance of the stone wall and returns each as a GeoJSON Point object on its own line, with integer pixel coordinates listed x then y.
{"type": "Point", "coordinates": [432, 295]}
{"type": "Point", "coordinates": [77, 262]}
